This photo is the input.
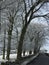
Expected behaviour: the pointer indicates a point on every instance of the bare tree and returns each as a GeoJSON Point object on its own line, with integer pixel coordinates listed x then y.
{"type": "Point", "coordinates": [30, 12]}
{"type": "Point", "coordinates": [29, 15]}
{"type": "Point", "coordinates": [11, 12]}
{"type": "Point", "coordinates": [39, 38]}
{"type": "Point", "coordinates": [35, 37]}
{"type": "Point", "coordinates": [10, 8]}
{"type": "Point", "coordinates": [11, 20]}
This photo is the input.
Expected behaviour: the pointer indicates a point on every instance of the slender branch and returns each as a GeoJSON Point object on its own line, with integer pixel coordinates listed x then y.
{"type": "Point", "coordinates": [36, 4]}
{"type": "Point", "coordinates": [25, 11]}
{"type": "Point", "coordinates": [17, 8]}
{"type": "Point", "coordinates": [39, 7]}
{"type": "Point", "coordinates": [35, 16]}
{"type": "Point", "coordinates": [23, 22]}
{"type": "Point", "coordinates": [30, 18]}
{"type": "Point", "coordinates": [16, 12]}
{"type": "Point", "coordinates": [32, 8]}
{"type": "Point", "coordinates": [25, 7]}
{"type": "Point", "coordinates": [6, 6]}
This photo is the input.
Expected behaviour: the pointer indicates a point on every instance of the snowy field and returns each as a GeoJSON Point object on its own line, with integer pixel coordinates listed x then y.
{"type": "Point", "coordinates": [12, 57]}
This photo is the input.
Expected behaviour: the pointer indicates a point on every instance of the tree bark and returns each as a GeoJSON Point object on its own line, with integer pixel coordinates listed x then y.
{"type": "Point", "coordinates": [9, 44]}
{"type": "Point", "coordinates": [9, 38]}
{"type": "Point", "coordinates": [24, 53]}
{"type": "Point", "coordinates": [36, 48]}
{"type": "Point", "coordinates": [30, 52]}
{"type": "Point", "coordinates": [4, 44]}
{"type": "Point", "coordinates": [21, 41]}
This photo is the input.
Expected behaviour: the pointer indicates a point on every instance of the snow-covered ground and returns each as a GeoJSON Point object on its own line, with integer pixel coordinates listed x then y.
{"type": "Point", "coordinates": [12, 57]}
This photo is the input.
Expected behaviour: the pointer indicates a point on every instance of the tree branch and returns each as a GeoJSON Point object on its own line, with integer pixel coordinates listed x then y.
{"type": "Point", "coordinates": [36, 4]}
{"type": "Point", "coordinates": [25, 11]}
{"type": "Point", "coordinates": [32, 8]}
{"type": "Point", "coordinates": [8, 5]}
{"type": "Point", "coordinates": [35, 16]}
{"type": "Point", "coordinates": [39, 7]}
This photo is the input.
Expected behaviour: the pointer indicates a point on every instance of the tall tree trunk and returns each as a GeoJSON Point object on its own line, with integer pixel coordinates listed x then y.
{"type": "Point", "coordinates": [21, 41]}
{"type": "Point", "coordinates": [9, 44]}
{"type": "Point", "coordinates": [4, 44]}
{"type": "Point", "coordinates": [36, 48]}
{"type": "Point", "coordinates": [24, 53]}
{"type": "Point", "coordinates": [0, 27]}
{"type": "Point", "coordinates": [0, 18]}
{"type": "Point", "coordinates": [30, 52]}
{"type": "Point", "coordinates": [9, 38]}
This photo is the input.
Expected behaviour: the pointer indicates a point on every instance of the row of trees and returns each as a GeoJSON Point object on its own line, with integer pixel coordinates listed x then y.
{"type": "Point", "coordinates": [24, 11]}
